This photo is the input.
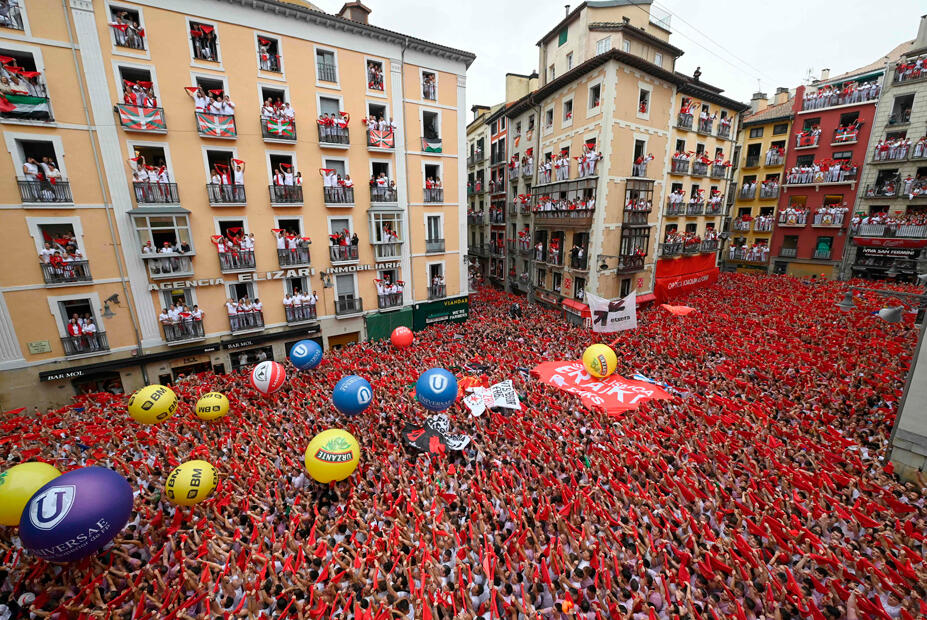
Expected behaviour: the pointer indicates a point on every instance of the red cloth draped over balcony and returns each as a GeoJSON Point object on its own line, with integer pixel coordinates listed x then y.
{"type": "Point", "coordinates": [676, 276]}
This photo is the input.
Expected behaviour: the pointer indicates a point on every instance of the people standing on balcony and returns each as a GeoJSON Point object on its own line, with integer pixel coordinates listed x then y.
{"type": "Point", "coordinates": [374, 76]}
{"type": "Point", "coordinates": [714, 201]}
{"type": "Point", "coordinates": [910, 69]}
{"type": "Point", "coordinates": [774, 155]}
{"type": "Point", "coordinates": [706, 120]}
{"type": "Point", "coordinates": [896, 148]}
{"type": "Point", "coordinates": [201, 100]}
{"type": "Point", "coordinates": [231, 307]}
{"type": "Point", "coordinates": [848, 93]}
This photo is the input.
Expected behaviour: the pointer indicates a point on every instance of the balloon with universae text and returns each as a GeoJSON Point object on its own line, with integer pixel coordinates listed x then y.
{"type": "Point", "coordinates": [436, 389]}
{"type": "Point", "coordinates": [352, 395]}
{"type": "Point", "coordinates": [76, 514]}
{"type": "Point", "coordinates": [268, 377]}
{"type": "Point", "coordinates": [18, 484]}
{"type": "Point", "coordinates": [306, 354]}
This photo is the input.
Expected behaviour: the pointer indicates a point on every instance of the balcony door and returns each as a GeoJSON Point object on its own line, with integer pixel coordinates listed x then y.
{"type": "Point", "coordinates": [344, 288]}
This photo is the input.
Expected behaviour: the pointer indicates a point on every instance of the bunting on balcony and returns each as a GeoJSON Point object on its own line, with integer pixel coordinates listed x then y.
{"type": "Point", "coordinates": [139, 118]}
{"type": "Point", "coordinates": [384, 139]}
{"type": "Point", "coordinates": [217, 125]}
{"type": "Point", "coordinates": [431, 145]}
{"type": "Point", "coordinates": [24, 106]}
{"type": "Point", "coordinates": [285, 128]}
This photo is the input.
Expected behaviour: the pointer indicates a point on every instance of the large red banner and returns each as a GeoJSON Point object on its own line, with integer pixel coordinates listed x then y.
{"type": "Point", "coordinates": [882, 242]}
{"type": "Point", "coordinates": [678, 276]}
{"type": "Point", "coordinates": [613, 394]}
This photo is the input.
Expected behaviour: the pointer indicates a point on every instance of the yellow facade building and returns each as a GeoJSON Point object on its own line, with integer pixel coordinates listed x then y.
{"type": "Point", "coordinates": [115, 151]}
{"type": "Point", "coordinates": [763, 141]}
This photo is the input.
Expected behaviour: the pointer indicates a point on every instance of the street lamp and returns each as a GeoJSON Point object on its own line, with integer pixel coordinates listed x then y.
{"type": "Point", "coordinates": [847, 303]}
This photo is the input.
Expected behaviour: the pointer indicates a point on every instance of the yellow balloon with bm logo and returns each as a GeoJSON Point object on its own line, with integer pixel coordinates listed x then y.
{"type": "Point", "coordinates": [332, 455]}
{"type": "Point", "coordinates": [191, 482]}
{"type": "Point", "coordinates": [152, 404]}
{"type": "Point", "coordinates": [212, 405]}
{"type": "Point", "coordinates": [600, 360]}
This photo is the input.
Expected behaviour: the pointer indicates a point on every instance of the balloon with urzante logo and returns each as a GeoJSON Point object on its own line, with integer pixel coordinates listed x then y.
{"type": "Point", "coordinates": [352, 395]}
{"type": "Point", "coordinates": [306, 354]}
{"type": "Point", "coordinates": [436, 389]}
{"type": "Point", "coordinates": [76, 514]}
{"type": "Point", "coordinates": [332, 455]}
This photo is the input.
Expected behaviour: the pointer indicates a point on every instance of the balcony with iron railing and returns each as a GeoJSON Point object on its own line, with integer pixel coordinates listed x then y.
{"type": "Point", "coordinates": [387, 250]}
{"type": "Point", "coordinates": [740, 225]}
{"type": "Point", "coordinates": [296, 257]}
{"type": "Point", "coordinates": [85, 344]}
{"type": "Point", "coordinates": [140, 118]}
{"type": "Point", "coordinates": [580, 263]}
{"type": "Point", "coordinates": [691, 247]}
{"type": "Point", "coordinates": [285, 195]}
{"type": "Point", "coordinates": [247, 321]}
{"type": "Point", "coordinates": [278, 129]}
{"type": "Point", "coordinates": [496, 216]}
{"type": "Point", "coordinates": [476, 218]}
{"type": "Point", "coordinates": [12, 18]}
{"type": "Point", "coordinates": [338, 196]}
{"type": "Point", "coordinates": [708, 246]}
{"type": "Point", "coordinates": [827, 220]}
{"type": "Point", "coordinates": [528, 170]}
{"type": "Point", "coordinates": [437, 291]}
{"type": "Point", "coordinates": [389, 300]}
{"type": "Point", "coordinates": [684, 121]}
{"type": "Point", "coordinates": [718, 172]}
{"type": "Point", "coordinates": [788, 252]}
{"type": "Point", "coordinates": [497, 250]}
{"type": "Point", "coordinates": [300, 313]}
{"type": "Point", "coordinates": [752, 161]}
{"type": "Point", "coordinates": [635, 218]}
{"type": "Point", "coordinates": [679, 166]}
{"type": "Point", "coordinates": [209, 125]}
{"type": "Point", "coordinates": [630, 263]}
{"type": "Point", "coordinates": [893, 229]}
{"type": "Point", "coordinates": [674, 209]}
{"type": "Point", "coordinates": [839, 97]}
{"type": "Point", "coordinates": [845, 135]}
{"type": "Point", "coordinates": [326, 72]}
{"type": "Point", "coordinates": [671, 249]}
{"type": "Point", "coordinates": [434, 246]}
{"type": "Point", "coordinates": [706, 126]}
{"type": "Point", "coordinates": [155, 193]}
{"type": "Point", "coordinates": [381, 195]}
{"type": "Point", "coordinates": [829, 178]}
{"type": "Point", "coordinates": [794, 220]}
{"type": "Point", "coordinates": [749, 255]}
{"type": "Point", "coordinates": [714, 208]}
{"type": "Point", "coordinates": [775, 159]}
{"type": "Point", "coordinates": [695, 208]}
{"type": "Point", "coordinates": [769, 191]}
{"type": "Point", "coordinates": [239, 260]}
{"type": "Point", "coordinates": [748, 192]}
{"type": "Point", "coordinates": [226, 194]}
{"type": "Point", "coordinates": [345, 306]}
{"type": "Point", "coordinates": [807, 141]}
{"type": "Point", "coordinates": [334, 136]}
{"type": "Point", "coordinates": [168, 265]}
{"type": "Point", "coordinates": [342, 253]}
{"type": "Point", "coordinates": [186, 330]}
{"type": "Point", "coordinates": [474, 189]}
{"type": "Point", "coordinates": [434, 194]}
{"type": "Point", "coordinates": [580, 218]}
{"type": "Point", "coordinates": [27, 107]}
{"type": "Point", "coordinates": [699, 168]}
{"type": "Point", "coordinates": [45, 192]}
{"type": "Point", "coordinates": [724, 130]}
{"type": "Point", "coordinates": [381, 139]}
{"type": "Point", "coordinates": [66, 272]}
{"type": "Point", "coordinates": [639, 170]}
{"type": "Point", "coordinates": [895, 153]}
{"type": "Point", "coordinates": [480, 249]}
{"type": "Point", "coordinates": [909, 71]}
{"type": "Point", "coordinates": [554, 257]}
{"type": "Point", "coordinates": [822, 254]}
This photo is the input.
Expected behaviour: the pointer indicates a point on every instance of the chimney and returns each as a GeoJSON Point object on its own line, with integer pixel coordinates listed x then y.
{"type": "Point", "coordinates": [921, 41]}
{"type": "Point", "coordinates": [825, 74]}
{"type": "Point", "coordinates": [355, 11]}
{"type": "Point", "coordinates": [782, 95]}
{"type": "Point", "coordinates": [567, 7]}
{"type": "Point", "coordinates": [758, 102]}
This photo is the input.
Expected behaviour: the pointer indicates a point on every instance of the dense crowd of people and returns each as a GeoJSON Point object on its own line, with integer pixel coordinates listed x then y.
{"type": "Point", "coordinates": [757, 491]}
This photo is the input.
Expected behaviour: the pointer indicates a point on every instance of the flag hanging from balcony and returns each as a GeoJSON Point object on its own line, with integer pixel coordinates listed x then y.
{"type": "Point", "coordinates": [382, 139]}
{"type": "Point", "coordinates": [218, 125]}
{"type": "Point", "coordinates": [612, 316]}
{"type": "Point", "coordinates": [284, 128]}
{"type": "Point", "coordinates": [431, 145]}
{"type": "Point", "coordinates": [144, 119]}
{"type": "Point", "coordinates": [24, 106]}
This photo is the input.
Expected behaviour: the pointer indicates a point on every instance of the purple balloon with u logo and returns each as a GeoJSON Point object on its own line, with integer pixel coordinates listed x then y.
{"type": "Point", "coordinates": [76, 514]}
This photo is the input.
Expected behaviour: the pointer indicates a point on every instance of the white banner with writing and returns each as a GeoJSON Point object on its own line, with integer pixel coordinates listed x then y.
{"type": "Point", "coordinates": [612, 315]}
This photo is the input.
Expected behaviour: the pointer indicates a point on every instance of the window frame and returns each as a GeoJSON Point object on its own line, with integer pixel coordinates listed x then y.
{"type": "Point", "coordinates": [34, 224]}
{"type": "Point", "coordinates": [269, 75]}
{"type": "Point", "coordinates": [194, 61]}
{"type": "Point", "coordinates": [440, 217]}
{"type": "Point", "coordinates": [93, 298]}
{"type": "Point", "coordinates": [13, 139]}
{"type": "Point", "coordinates": [564, 121]}
{"type": "Point", "coordinates": [382, 94]}
{"type": "Point", "coordinates": [136, 217]}
{"type": "Point", "coordinates": [421, 82]}
{"type": "Point", "coordinates": [590, 110]}
{"type": "Point", "coordinates": [336, 85]}
{"type": "Point", "coordinates": [641, 89]}
{"type": "Point", "coordinates": [117, 50]}
{"type": "Point", "coordinates": [608, 45]}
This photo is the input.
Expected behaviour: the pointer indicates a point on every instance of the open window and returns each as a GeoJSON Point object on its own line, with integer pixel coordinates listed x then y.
{"type": "Point", "coordinates": [643, 102]}
{"type": "Point", "coordinates": [212, 86]}
{"type": "Point", "coordinates": [549, 118]}
{"type": "Point", "coordinates": [431, 132]}
{"type": "Point", "coordinates": [595, 96]}
{"type": "Point", "coordinates": [11, 15]}
{"type": "Point", "coordinates": [275, 96]}
{"type": "Point", "coordinates": [205, 41]}
{"type": "Point", "coordinates": [138, 88]}
{"type": "Point", "coordinates": [269, 54]}
{"type": "Point", "coordinates": [382, 184]}
{"type": "Point", "coordinates": [41, 180]}
{"type": "Point", "coordinates": [325, 66]}
{"type": "Point", "coordinates": [151, 176]}
{"type": "Point", "coordinates": [126, 26]}
{"type": "Point", "coordinates": [377, 110]}
{"type": "Point", "coordinates": [429, 85]}
{"type": "Point", "coordinates": [436, 285]}
{"type": "Point", "coordinates": [901, 109]}
{"type": "Point", "coordinates": [375, 75]}
{"type": "Point", "coordinates": [83, 332]}
{"type": "Point", "coordinates": [24, 86]}
{"type": "Point", "coordinates": [568, 111]}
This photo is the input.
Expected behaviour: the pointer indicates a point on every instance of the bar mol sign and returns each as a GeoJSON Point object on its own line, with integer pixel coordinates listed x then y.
{"type": "Point", "coordinates": [280, 274]}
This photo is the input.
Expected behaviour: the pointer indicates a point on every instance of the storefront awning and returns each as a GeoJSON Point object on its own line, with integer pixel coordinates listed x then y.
{"type": "Point", "coordinates": [642, 299]}
{"type": "Point", "coordinates": [577, 307]}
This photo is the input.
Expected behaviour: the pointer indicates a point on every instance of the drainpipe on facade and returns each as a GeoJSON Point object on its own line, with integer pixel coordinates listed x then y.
{"type": "Point", "coordinates": [405, 138]}
{"type": "Point", "coordinates": [107, 206]}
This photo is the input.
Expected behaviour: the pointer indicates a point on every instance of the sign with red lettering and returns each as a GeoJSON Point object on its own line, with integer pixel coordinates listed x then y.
{"type": "Point", "coordinates": [613, 394]}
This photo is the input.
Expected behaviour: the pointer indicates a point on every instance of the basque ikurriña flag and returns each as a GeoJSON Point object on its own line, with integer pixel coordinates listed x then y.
{"type": "Point", "coordinates": [137, 117]}
{"type": "Point", "coordinates": [217, 125]}
{"type": "Point", "coordinates": [281, 127]}
{"type": "Point", "coordinates": [380, 139]}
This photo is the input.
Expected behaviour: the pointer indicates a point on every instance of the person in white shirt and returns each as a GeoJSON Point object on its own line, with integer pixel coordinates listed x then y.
{"type": "Point", "coordinates": [257, 313]}
{"type": "Point", "coordinates": [311, 300]}
{"type": "Point", "coordinates": [165, 319]}
{"type": "Point", "coordinates": [232, 309]}
{"type": "Point", "coordinates": [288, 307]}
{"type": "Point", "coordinates": [288, 112]}
{"type": "Point", "coordinates": [226, 106]}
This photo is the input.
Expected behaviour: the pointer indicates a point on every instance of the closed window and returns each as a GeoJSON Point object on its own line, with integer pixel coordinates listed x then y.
{"type": "Point", "coordinates": [603, 45]}
{"type": "Point", "coordinates": [626, 46]}
{"type": "Point", "coordinates": [780, 129]}
{"type": "Point", "coordinates": [756, 132]}
{"type": "Point", "coordinates": [658, 59]}
{"type": "Point", "coordinates": [562, 37]}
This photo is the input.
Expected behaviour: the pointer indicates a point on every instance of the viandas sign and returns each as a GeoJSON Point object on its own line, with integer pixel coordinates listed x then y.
{"type": "Point", "coordinates": [456, 310]}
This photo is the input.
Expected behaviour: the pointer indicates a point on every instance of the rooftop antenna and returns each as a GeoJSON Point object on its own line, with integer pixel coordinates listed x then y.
{"type": "Point", "coordinates": [810, 76]}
